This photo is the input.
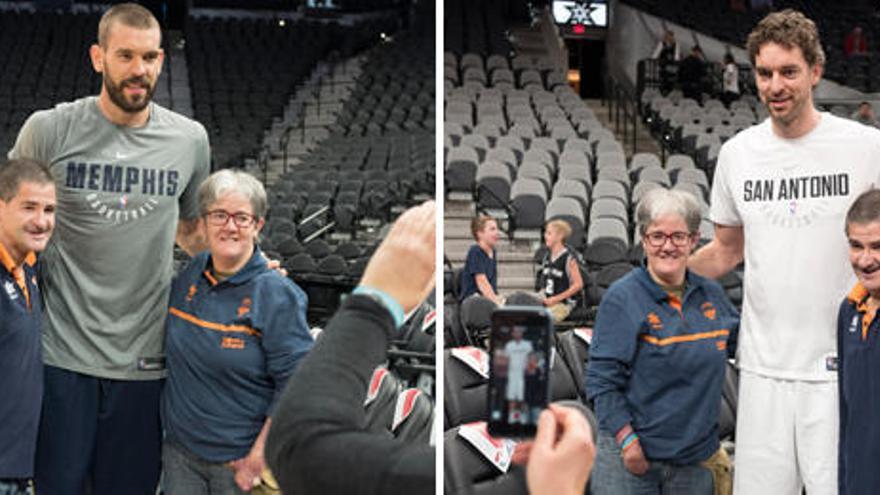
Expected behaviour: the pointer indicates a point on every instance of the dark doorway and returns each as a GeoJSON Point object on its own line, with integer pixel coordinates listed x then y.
{"type": "Point", "coordinates": [588, 58]}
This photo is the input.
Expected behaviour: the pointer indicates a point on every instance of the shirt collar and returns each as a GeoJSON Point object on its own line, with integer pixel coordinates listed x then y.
{"type": "Point", "coordinates": [9, 264]}
{"type": "Point", "coordinates": [256, 264]}
{"type": "Point", "coordinates": [657, 292]}
{"type": "Point", "coordinates": [858, 296]}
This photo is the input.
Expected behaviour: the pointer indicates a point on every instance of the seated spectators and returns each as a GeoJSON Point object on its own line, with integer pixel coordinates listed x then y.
{"type": "Point", "coordinates": [657, 363]}
{"type": "Point", "coordinates": [235, 332]}
{"type": "Point", "coordinates": [730, 81]}
{"type": "Point", "coordinates": [668, 55]}
{"type": "Point", "coordinates": [480, 274]}
{"type": "Point", "coordinates": [865, 115]}
{"type": "Point", "coordinates": [691, 72]}
{"type": "Point", "coordinates": [559, 278]}
{"type": "Point", "coordinates": [320, 445]}
{"type": "Point", "coordinates": [855, 43]}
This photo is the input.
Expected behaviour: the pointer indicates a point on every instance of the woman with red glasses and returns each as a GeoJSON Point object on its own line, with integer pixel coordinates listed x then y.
{"type": "Point", "coordinates": [235, 332]}
{"type": "Point", "coordinates": [657, 362]}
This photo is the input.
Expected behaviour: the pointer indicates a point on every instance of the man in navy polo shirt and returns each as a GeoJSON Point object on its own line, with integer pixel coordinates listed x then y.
{"type": "Point", "coordinates": [27, 217]}
{"type": "Point", "coordinates": [858, 350]}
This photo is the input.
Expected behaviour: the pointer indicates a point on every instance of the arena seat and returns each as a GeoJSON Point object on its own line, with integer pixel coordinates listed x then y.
{"type": "Point", "coordinates": [574, 352]}
{"type": "Point", "coordinates": [483, 470]}
{"type": "Point", "coordinates": [476, 316]}
{"type": "Point", "coordinates": [530, 201]}
{"type": "Point", "coordinates": [382, 392]}
{"type": "Point", "coordinates": [413, 416]}
{"type": "Point", "coordinates": [465, 385]}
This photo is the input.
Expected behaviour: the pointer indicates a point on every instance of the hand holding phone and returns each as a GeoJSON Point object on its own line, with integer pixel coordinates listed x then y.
{"type": "Point", "coordinates": [519, 370]}
{"type": "Point", "coordinates": [561, 456]}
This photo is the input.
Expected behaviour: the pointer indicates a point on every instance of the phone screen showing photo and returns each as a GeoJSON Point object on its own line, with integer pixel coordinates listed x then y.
{"type": "Point", "coordinates": [520, 362]}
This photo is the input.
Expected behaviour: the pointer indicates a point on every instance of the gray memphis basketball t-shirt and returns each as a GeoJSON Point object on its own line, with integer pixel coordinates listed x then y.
{"type": "Point", "coordinates": [107, 270]}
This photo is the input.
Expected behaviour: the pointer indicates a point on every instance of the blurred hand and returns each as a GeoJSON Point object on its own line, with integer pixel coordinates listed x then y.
{"type": "Point", "coordinates": [549, 301]}
{"type": "Point", "coordinates": [403, 265]}
{"type": "Point", "coordinates": [247, 471]}
{"type": "Point", "coordinates": [561, 456]}
{"type": "Point", "coordinates": [634, 459]}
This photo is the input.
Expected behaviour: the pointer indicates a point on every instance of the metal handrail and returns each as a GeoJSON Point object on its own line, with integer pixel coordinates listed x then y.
{"type": "Point", "coordinates": [319, 232]}
{"type": "Point", "coordinates": [623, 111]}
{"type": "Point", "coordinates": [319, 212]}
{"type": "Point", "coordinates": [263, 162]}
{"type": "Point", "coordinates": [507, 206]}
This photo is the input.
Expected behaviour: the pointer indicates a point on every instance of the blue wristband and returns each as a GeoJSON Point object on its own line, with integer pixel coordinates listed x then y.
{"type": "Point", "coordinates": [632, 437]}
{"type": "Point", "coordinates": [386, 300]}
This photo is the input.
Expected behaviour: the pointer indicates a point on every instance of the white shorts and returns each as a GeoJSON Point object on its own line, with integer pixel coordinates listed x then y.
{"type": "Point", "coordinates": [516, 388]}
{"type": "Point", "coordinates": [786, 437]}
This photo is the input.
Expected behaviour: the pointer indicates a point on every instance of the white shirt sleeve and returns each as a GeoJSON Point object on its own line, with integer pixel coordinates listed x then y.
{"type": "Point", "coordinates": [723, 210]}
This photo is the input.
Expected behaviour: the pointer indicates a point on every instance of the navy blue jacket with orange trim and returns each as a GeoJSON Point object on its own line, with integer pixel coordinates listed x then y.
{"type": "Point", "coordinates": [21, 369]}
{"type": "Point", "coordinates": [858, 351]}
{"type": "Point", "coordinates": [230, 348]}
{"type": "Point", "coordinates": [658, 364]}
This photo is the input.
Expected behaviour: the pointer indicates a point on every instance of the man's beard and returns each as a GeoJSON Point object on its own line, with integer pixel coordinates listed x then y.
{"type": "Point", "coordinates": [117, 94]}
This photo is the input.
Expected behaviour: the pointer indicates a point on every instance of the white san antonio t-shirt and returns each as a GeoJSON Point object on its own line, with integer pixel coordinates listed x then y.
{"type": "Point", "coordinates": [791, 197]}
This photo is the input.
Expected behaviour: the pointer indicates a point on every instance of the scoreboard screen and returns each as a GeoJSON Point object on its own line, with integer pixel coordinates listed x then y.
{"type": "Point", "coordinates": [579, 15]}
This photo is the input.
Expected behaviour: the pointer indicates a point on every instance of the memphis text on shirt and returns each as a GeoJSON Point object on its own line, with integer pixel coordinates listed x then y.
{"type": "Point", "coordinates": [122, 193]}
{"type": "Point", "coordinates": [119, 179]}
{"type": "Point", "coordinates": [820, 186]}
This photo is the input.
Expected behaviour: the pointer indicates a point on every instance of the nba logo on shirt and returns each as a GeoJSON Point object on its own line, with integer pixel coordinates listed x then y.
{"type": "Point", "coordinates": [831, 363]}
{"type": "Point", "coordinates": [10, 290]}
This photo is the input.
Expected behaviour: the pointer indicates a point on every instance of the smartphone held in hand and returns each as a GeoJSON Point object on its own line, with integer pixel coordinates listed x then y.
{"type": "Point", "coordinates": [519, 370]}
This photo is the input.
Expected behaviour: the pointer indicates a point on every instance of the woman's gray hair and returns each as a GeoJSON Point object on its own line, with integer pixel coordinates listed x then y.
{"type": "Point", "coordinates": [661, 202]}
{"type": "Point", "coordinates": [228, 181]}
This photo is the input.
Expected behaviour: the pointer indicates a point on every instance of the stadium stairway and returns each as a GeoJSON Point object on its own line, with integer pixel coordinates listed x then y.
{"type": "Point", "coordinates": [516, 269]}
{"type": "Point", "coordinates": [309, 114]}
{"type": "Point", "coordinates": [644, 141]}
{"type": "Point", "coordinates": [535, 40]}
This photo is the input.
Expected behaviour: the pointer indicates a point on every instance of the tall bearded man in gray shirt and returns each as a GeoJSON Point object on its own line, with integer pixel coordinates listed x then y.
{"type": "Point", "coordinates": [127, 172]}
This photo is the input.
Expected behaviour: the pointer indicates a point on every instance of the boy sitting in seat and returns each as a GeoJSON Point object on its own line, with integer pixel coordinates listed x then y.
{"type": "Point", "coordinates": [559, 277]}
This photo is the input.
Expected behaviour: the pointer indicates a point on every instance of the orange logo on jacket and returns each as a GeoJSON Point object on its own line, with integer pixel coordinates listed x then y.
{"type": "Point", "coordinates": [232, 343]}
{"type": "Point", "coordinates": [191, 293]}
{"type": "Point", "coordinates": [721, 345]}
{"type": "Point", "coordinates": [245, 306]}
{"type": "Point", "coordinates": [708, 310]}
{"type": "Point", "coordinates": [655, 321]}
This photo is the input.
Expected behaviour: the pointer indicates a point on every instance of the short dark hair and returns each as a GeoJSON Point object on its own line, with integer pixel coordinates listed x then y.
{"type": "Point", "coordinates": [128, 14]}
{"type": "Point", "coordinates": [14, 172]}
{"type": "Point", "coordinates": [479, 223]}
{"type": "Point", "coordinates": [865, 209]}
{"type": "Point", "coordinates": [788, 28]}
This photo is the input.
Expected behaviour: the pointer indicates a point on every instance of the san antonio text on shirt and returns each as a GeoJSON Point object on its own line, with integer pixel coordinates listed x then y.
{"type": "Point", "coordinates": [122, 179]}
{"type": "Point", "coordinates": [820, 186]}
